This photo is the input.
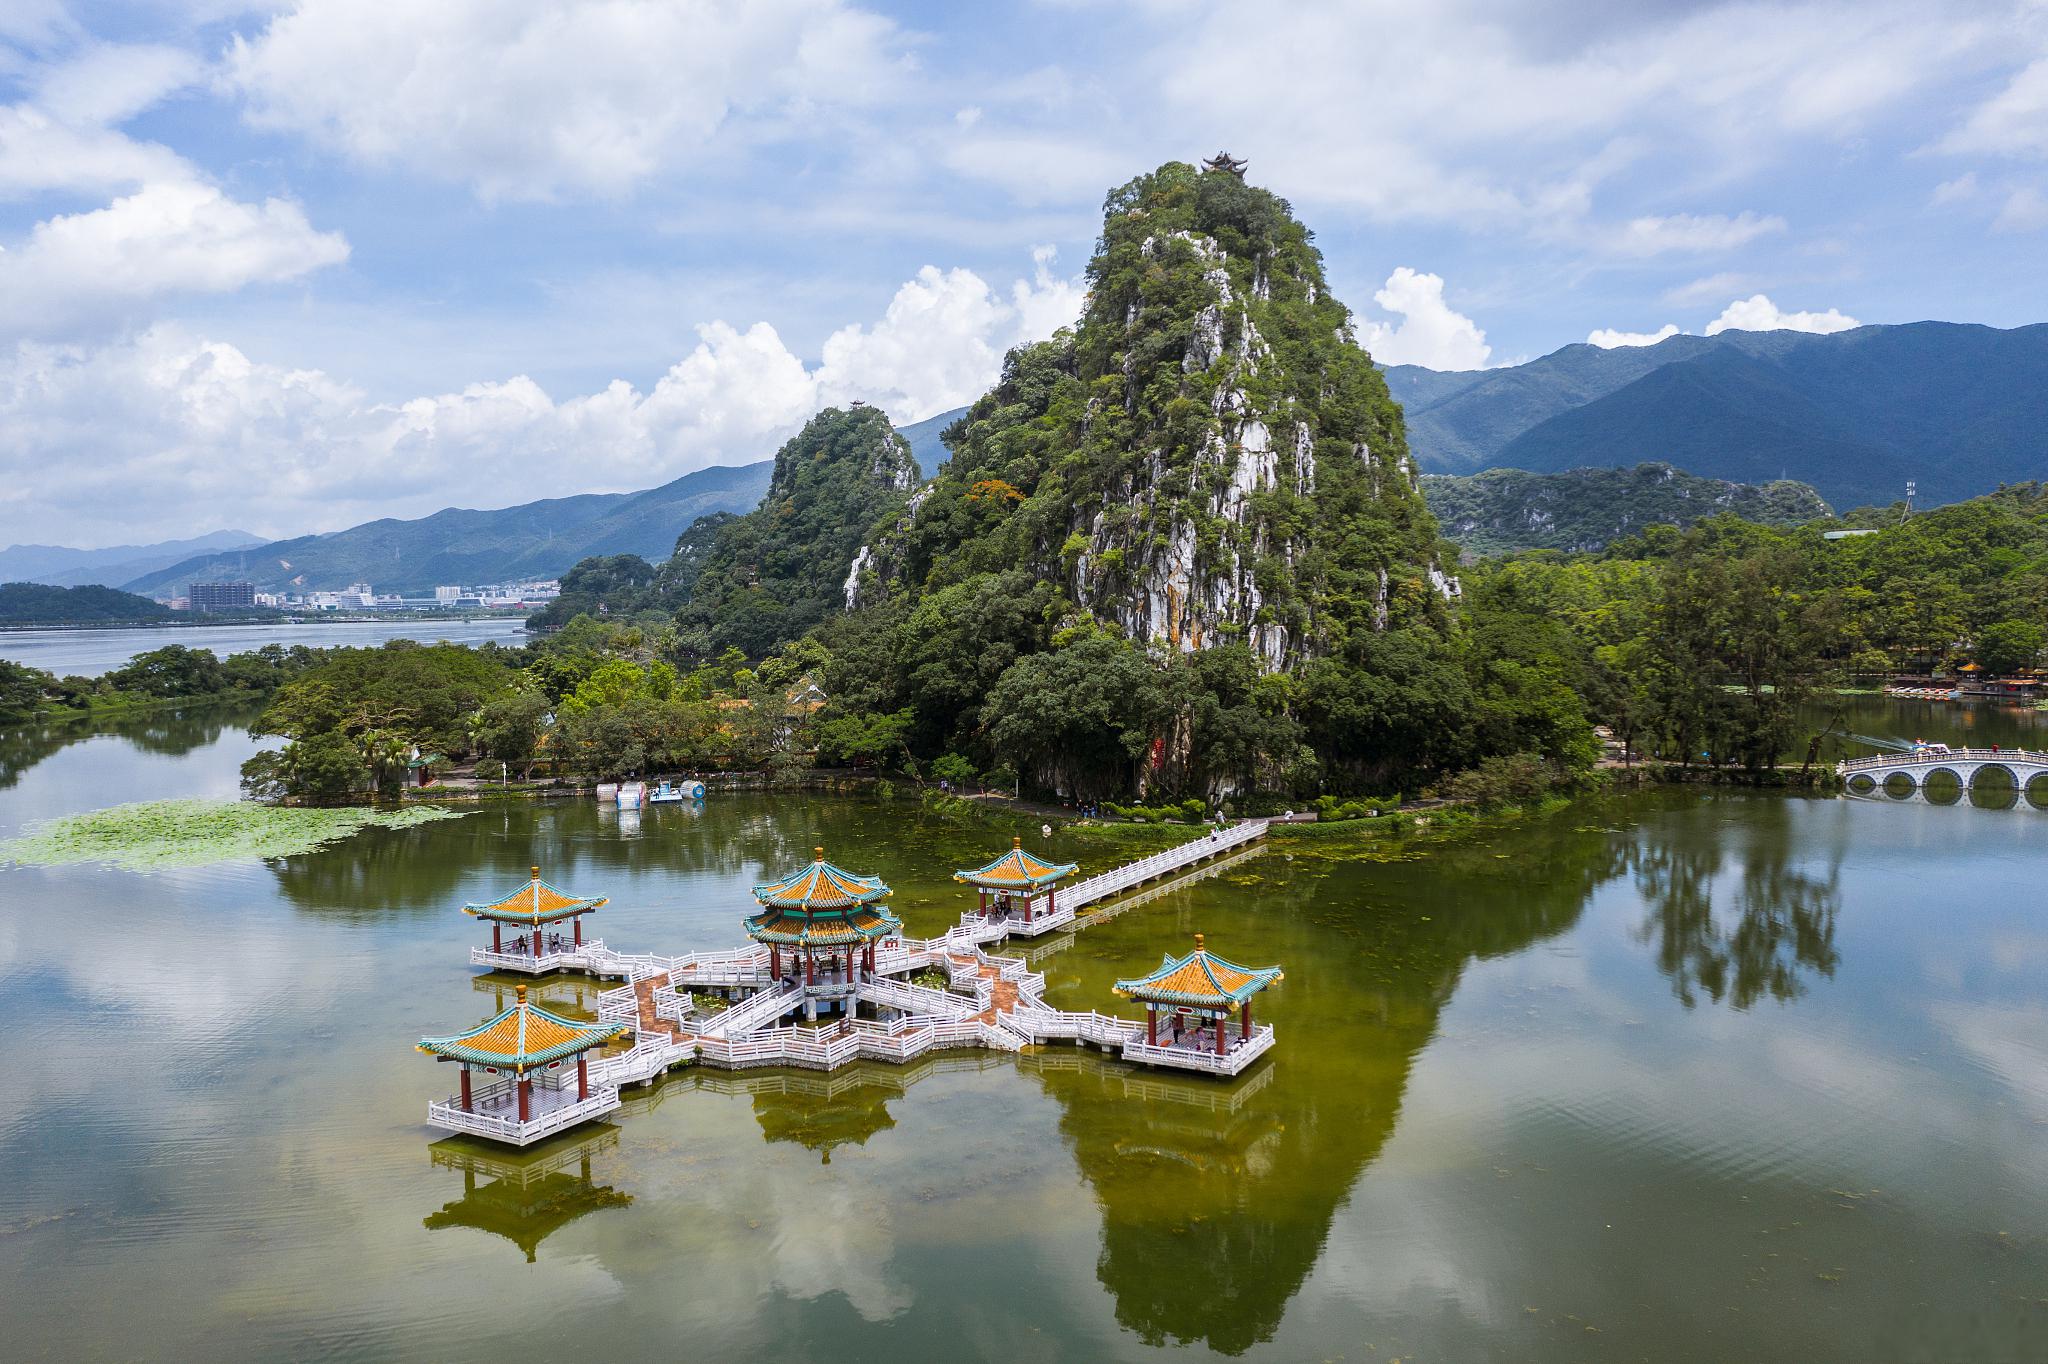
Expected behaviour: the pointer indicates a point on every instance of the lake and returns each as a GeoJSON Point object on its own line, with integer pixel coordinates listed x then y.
{"type": "Point", "coordinates": [88, 653]}
{"type": "Point", "coordinates": [1677, 1075]}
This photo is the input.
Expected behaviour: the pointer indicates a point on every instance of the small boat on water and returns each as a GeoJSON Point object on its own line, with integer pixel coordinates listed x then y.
{"type": "Point", "coordinates": [676, 792]}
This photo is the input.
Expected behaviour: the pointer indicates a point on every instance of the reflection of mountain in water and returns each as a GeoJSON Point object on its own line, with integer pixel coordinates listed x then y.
{"type": "Point", "coordinates": [1784, 918]}
{"type": "Point", "coordinates": [1217, 1198]}
{"type": "Point", "coordinates": [529, 1195]}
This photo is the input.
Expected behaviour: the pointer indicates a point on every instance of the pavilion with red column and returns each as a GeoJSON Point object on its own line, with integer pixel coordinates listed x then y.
{"type": "Point", "coordinates": [1195, 997]}
{"type": "Point", "coordinates": [525, 1073]}
{"type": "Point", "coordinates": [828, 921]}
{"type": "Point", "coordinates": [1016, 872]}
{"type": "Point", "coordinates": [535, 912]}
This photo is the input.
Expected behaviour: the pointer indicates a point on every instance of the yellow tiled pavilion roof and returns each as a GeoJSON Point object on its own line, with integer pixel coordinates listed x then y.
{"type": "Point", "coordinates": [523, 1035]}
{"type": "Point", "coordinates": [821, 886]}
{"type": "Point", "coordinates": [536, 902]}
{"type": "Point", "coordinates": [832, 928]}
{"type": "Point", "coordinates": [1016, 870]}
{"type": "Point", "coordinates": [1200, 979]}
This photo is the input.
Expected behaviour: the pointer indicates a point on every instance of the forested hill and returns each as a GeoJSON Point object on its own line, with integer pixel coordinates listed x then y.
{"type": "Point", "coordinates": [41, 604]}
{"type": "Point", "coordinates": [1503, 510]}
{"type": "Point", "coordinates": [1188, 529]}
{"type": "Point", "coordinates": [767, 577]}
{"type": "Point", "coordinates": [1208, 458]}
{"type": "Point", "coordinates": [1957, 408]}
{"type": "Point", "coordinates": [461, 546]}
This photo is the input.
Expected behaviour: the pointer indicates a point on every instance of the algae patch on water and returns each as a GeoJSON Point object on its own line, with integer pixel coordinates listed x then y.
{"type": "Point", "coordinates": [188, 833]}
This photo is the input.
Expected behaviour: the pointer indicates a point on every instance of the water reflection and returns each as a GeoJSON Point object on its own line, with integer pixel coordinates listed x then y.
{"type": "Point", "coordinates": [525, 1196]}
{"type": "Point", "coordinates": [166, 733]}
{"type": "Point", "coordinates": [1783, 927]}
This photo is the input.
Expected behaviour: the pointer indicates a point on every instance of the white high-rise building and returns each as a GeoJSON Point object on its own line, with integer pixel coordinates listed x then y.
{"type": "Point", "coordinates": [448, 594]}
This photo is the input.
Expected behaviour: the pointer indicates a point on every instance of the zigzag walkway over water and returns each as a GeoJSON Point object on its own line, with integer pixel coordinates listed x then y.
{"type": "Point", "coordinates": [823, 944]}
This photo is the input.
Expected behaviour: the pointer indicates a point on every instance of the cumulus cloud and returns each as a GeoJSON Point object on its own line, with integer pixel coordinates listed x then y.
{"type": "Point", "coordinates": [1758, 314]}
{"type": "Point", "coordinates": [164, 239]}
{"type": "Point", "coordinates": [1692, 234]}
{"type": "Point", "coordinates": [1431, 333]}
{"type": "Point", "coordinates": [530, 101]}
{"type": "Point", "coordinates": [1607, 338]}
{"type": "Point", "coordinates": [166, 430]}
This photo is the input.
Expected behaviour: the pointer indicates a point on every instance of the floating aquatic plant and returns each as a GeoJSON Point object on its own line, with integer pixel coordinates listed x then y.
{"type": "Point", "coordinates": [156, 834]}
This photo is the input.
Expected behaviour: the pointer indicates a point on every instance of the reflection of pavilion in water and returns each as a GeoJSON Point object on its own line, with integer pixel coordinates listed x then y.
{"type": "Point", "coordinates": [525, 1196]}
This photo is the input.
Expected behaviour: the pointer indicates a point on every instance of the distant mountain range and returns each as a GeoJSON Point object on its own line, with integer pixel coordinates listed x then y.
{"type": "Point", "coordinates": [1957, 408]}
{"type": "Point", "coordinates": [459, 546]}
{"type": "Point", "coordinates": [1584, 509]}
{"type": "Point", "coordinates": [58, 566]}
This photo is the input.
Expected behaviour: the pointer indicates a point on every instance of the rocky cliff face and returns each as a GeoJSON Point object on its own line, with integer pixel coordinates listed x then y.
{"type": "Point", "coordinates": [1208, 457]}
{"type": "Point", "coordinates": [768, 576]}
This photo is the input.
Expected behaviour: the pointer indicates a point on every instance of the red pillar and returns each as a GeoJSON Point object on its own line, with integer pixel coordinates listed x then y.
{"type": "Point", "coordinates": [810, 969]}
{"type": "Point", "coordinates": [1222, 1026]}
{"type": "Point", "coordinates": [1151, 1026]}
{"type": "Point", "coordinates": [582, 1077]}
{"type": "Point", "coordinates": [1247, 1020]}
{"type": "Point", "coordinates": [775, 961]}
{"type": "Point", "coordinates": [536, 942]}
{"type": "Point", "coordinates": [525, 1098]}
{"type": "Point", "coordinates": [579, 929]}
{"type": "Point", "coordinates": [497, 942]}
{"type": "Point", "coordinates": [465, 1086]}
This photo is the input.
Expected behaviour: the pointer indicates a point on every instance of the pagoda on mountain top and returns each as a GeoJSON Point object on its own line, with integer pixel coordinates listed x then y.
{"type": "Point", "coordinates": [1228, 164]}
{"type": "Point", "coordinates": [1016, 873]}
{"type": "Point", "coordinates": [533, 909]}
{"type": "Point", "coordinates": [830, 920]}
{"type": "Point", "coordinates": [526, 1095]}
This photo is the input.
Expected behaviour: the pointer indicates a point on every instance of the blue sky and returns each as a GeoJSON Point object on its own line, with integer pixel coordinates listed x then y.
{"type": "Point", "coordinates": [289, 267]}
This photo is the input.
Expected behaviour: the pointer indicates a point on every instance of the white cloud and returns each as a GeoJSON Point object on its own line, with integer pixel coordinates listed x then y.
{"type": "Point", "coordinates": [162, 430]}
{"type": "Point", "coordinates": [1431, 333]}
{"type": "Point", "coordinates": [1693, 234]}
{"type": "Point", "coordinates": [1758, 314]}
{"type": "Point", "coordinates": [534, 100]}
{"type": "Point", "coordinates": [1607, 338]}
{"type": "Point", "coordinates": [1958, 190]}
{"type": "Point", "coordinates": [2014, 122]}
{"type": "Point", "coordinates": [2025, 210]}
{"type": "Point", "coordinates": [163, 239]}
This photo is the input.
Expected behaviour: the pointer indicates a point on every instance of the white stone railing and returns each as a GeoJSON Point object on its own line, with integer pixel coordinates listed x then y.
{"type": "Point", "coordinates": [450, 1115]}
{"type": "Point", "coordinates": [1201, 1058]}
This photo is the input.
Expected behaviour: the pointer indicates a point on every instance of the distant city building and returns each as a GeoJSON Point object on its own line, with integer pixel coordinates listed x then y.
{"type": "Point", "coordinates": [448, 594]}
{"type": "Point", "coordinates": [221, 596]}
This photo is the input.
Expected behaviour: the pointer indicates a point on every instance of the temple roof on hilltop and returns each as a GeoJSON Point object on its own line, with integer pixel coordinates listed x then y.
{"type": "Point", "coordinates": [1016, 870]}
{"type": "Point", "coordinates": [536, 902]}
{"type": "Point", "coordinates": [832, 928]}
{"type": "Point", "coordinates": [820, 886]}
{"type": "Point", "coordinates": [1201, 979]}
{"type": "Point", "coordinates": [523, 1035]}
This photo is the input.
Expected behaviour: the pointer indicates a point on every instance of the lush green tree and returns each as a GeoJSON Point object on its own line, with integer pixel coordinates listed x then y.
{"type": "Point", "coordinates": [1082, 718]}
{"type": "Point", "coordinates": [2009, 646]}
{"type": "Point", "coordinates": [171, 672]}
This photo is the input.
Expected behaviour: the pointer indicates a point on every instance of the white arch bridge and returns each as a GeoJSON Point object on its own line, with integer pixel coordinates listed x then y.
{"type": "Point", "coordinates": [1868, 776]}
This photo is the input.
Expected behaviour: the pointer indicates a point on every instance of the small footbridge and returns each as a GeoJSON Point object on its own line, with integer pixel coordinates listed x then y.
{"type": "Point", "coordinates": [1866, 776]}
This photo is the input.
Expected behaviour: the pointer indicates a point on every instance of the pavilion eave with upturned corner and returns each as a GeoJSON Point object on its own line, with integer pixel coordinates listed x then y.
{"type": "Point", "coordinates": [1013, 877]}
{"type": "Point", "coordinates": [1205, 1002]}
{"type": "Point", "coordinates": [525, 1093]}
{"type": "Point", "coordinates": [535, 913]}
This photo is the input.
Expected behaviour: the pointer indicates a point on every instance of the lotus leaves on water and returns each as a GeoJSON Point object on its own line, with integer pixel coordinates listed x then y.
{"type": "Point", "coordinates": [152, 835]}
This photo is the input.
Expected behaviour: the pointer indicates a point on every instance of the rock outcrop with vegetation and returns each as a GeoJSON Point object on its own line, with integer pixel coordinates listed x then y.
{"type": "Point", "coordinates": [1209, 457]}
{"type": "Point", "coordinates": [769, 576]}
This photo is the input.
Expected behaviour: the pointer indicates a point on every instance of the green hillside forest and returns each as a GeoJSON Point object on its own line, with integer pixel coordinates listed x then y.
{"type": "Point", "coordinates": [1502, 510]}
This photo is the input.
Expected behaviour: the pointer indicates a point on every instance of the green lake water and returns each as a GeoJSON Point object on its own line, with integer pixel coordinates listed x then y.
{"type": "Point", "coordinates": [1678, 1075]}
